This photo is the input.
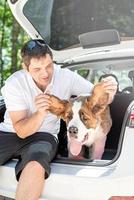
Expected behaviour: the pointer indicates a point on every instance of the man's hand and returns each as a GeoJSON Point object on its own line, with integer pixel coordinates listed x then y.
{"type": "Point", "coordinates": [42, 103]}
{"type": "Point", "coordinates": [110, 85]}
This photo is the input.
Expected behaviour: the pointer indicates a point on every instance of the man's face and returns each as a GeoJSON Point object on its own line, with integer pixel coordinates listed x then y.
{"type": "Point", "coordinates": [41, 70]}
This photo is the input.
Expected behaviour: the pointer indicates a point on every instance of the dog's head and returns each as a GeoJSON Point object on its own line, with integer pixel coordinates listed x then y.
{"type": "Point", "coordinates": [82, 114]}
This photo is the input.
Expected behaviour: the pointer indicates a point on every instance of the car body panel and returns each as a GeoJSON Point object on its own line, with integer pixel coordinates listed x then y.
{"type": "Point", "coordinates": [74, 182]}
{"type": "Point", "coordinates": [66, 54]}
{"type": "Point", "coordinates": [98, 179]}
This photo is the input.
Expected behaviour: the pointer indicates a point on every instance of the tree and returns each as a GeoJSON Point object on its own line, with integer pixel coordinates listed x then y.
{"type": "Point", "coordinates": [12, 37]}
{"type": "Point", "coordinates": [14, 53]}
{"type": "Point", "coordinates": [2, 41]}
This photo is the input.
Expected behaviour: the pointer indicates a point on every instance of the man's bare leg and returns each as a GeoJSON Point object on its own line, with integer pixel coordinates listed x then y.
{"type": "Point", "coordinates": [31, 182]}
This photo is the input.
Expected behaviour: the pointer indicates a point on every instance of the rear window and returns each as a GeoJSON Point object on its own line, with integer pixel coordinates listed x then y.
{"type": "Point", "coordinates": [60, 22]}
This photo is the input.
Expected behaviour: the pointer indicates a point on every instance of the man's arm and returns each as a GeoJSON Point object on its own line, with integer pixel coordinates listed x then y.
{"type": "Point", "coordinates": [25, 125]}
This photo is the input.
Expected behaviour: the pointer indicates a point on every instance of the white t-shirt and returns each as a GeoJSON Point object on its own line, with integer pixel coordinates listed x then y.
{"type": "Point", "coordinates": [20, 91]}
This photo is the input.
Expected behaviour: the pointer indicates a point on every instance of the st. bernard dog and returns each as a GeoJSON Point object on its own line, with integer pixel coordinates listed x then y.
{"type": "Point", "coordinates": [88, 121]}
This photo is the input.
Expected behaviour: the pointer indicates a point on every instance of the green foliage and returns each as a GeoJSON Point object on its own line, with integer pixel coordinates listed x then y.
{"type": "Point", "coordinates": [83, 72]}
{"type": "Point", "coordinates": [7, 41]}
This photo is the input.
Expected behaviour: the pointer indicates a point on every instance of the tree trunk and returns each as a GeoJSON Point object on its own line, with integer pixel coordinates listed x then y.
{"type": "Point", "coordinates": [14, 53]}
{"type": "Point", "coordinates": [1, 44]}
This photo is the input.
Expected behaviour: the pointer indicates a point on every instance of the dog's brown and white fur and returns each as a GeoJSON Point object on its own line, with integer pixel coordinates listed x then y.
{"type": "Point", "coordinates": [88, 121]}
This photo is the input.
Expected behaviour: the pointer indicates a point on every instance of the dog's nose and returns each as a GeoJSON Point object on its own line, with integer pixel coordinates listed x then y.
{"type": "Point", "coordinates": [73, 129]}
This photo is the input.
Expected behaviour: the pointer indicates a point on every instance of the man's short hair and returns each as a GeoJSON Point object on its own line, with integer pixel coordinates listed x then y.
{"type": "Point", "coordinates": [34, 49]}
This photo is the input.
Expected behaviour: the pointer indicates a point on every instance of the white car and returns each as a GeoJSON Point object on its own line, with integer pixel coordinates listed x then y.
{"type": "Point", "coordinates": [66, 26]}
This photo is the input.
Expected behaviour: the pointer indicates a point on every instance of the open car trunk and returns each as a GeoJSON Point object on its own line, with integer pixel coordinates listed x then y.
{"type": "Point", "coordinates": [69, 28]}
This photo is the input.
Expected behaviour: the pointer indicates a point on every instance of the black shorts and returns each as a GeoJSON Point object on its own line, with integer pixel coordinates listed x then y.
{"type": "Point", "coordinates": [40, 147]}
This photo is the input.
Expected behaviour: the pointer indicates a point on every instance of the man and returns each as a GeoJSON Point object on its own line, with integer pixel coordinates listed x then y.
{"type": "Point", "coordinates": [29, 131]}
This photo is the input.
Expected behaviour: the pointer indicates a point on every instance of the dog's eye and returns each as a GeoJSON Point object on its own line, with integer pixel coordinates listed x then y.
{"type": "Point", "coordinates": [83, 117]}
{"type": "Point", "coordinates": [70, 116]}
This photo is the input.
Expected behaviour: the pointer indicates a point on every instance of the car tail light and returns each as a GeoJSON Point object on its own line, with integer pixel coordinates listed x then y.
{"type": "Point", "coordinates": [131, 119]}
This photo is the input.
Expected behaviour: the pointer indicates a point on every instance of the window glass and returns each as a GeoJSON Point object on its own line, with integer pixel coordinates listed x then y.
{"type": "Point", "coordinates": [61, 21]}
{"type": "Point", "coordinates": [94, 75]}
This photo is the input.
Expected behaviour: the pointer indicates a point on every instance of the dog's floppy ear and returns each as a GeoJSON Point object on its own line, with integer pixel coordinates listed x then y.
{"type": "Point", "coordinates": [99, 95]}
{"type": "Point", "coordinates": [58, 107]}
{"type": "Point", "coordinates": [98, 108]}
{"type": "Point", "coordinates": [98, 101]}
